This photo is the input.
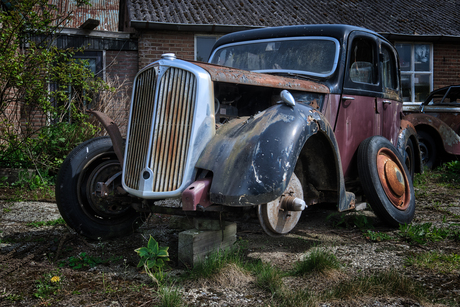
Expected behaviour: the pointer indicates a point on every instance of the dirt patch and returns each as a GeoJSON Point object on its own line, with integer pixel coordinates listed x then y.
{"type": "Point", "coordinates": [31, 255]}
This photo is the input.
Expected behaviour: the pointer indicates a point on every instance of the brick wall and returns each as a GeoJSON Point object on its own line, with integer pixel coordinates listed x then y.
{"type": "Point", "coordinates": [446, 64]}
{"type": "Point", "coordinates": [121, 69]}
{"type": "Point", "coordinates": [153, 44]}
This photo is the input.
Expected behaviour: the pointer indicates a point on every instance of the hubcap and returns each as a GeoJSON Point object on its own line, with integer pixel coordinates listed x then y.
{"type": "Point", "coordinates": [393, 178]}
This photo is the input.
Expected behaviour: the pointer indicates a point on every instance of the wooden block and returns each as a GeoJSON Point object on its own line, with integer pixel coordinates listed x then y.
{"type": "Point", "coordinates": [195, 245]}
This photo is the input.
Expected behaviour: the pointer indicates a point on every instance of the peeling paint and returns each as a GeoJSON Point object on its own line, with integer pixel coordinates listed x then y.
{"type": "Point", "coordinates": [449, 136]}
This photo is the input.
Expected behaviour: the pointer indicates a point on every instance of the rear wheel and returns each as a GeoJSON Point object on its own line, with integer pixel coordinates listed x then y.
{"type": "Point", "coordinates": [385, 181]}
{"type": "Point", "coordinates": [89, 193]}
{"type": "Point", "coordinates": [427, 149]}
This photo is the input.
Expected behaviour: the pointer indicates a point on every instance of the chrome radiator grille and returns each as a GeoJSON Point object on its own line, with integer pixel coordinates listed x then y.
{"type": "Point", "coordinates": [171, 117]}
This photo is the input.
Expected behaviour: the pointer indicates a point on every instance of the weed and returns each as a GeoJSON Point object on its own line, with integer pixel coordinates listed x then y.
{"type": "Point", "coordinates": [268, 277]}
{"type": "Point", "coordinates": [376, 236]}
{"type": "Point", "coordinates": [84, 260]}
{"type": "Point", "coordinates": [350, 220]}
{"type": "Point", "coordinates": [317, 261]}
{"type": "Point", "coordinates": [153, 258]}
{"type": "Point", "coordinates": [49, 284]}
{"type": "Point", "coordinates": [435, 261]}
{"type": "Point", "coordinates": [422, 233]}
{"type": "Point", "coordinates": [13, 297]}
{"type": "Point", "coordinates": [215, 262]}
{"type": "Point", "coordinates": [59, 221]}
{"type": "Point", "coordinates": [170, 296]}
{"type": "Point", "coordinates": [288, 298]}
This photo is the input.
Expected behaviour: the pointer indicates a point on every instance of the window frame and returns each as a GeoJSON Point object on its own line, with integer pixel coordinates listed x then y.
{"type": "Point", "coordinates": [195, 44]}
{"type": "Point", "coordinates": [412, 72]}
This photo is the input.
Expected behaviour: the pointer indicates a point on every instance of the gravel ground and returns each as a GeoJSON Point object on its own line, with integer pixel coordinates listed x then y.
{"type": "Point", "coordinates": [28, 253]}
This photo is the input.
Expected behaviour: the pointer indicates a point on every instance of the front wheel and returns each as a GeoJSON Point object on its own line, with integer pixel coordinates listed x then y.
{"type": "Point", "coordinates": [385, 181]}
{"type": "Point", "coordinates": [89, 193]}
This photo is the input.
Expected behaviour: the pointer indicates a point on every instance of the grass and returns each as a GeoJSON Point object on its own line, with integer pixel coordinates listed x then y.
{"type": "Point", "coordinates": [59, 221]}
{"type": "Point", "coordinates": [435, 261]}
{"type": "Point", "coordinates": [317, 261]}
{"type": "Point", "coordinates": [170, 296]}
{"type": "Point", "coordinates": [388, 283]}
{"type": "Point", "coordinates": [215, 262]}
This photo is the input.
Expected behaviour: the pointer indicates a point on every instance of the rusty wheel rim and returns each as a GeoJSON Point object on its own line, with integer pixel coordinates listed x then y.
{"type": "Point", "coordinates": [393, 179]}
{"type": "Point", "coordinates": [276, 221]}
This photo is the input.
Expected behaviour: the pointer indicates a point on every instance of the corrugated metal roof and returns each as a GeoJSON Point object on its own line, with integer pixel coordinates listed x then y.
{"type": "Point", "coordinates": [409, 17]}
{"type": "Point", "coordinates": [106, 11]}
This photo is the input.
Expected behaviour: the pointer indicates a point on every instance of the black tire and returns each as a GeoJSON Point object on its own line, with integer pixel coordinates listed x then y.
{"type": "Point", "coordinates": [409, 158]}
{"type": "Point", "coordinates": [389, 191]}
{"type": "Point", "coordinates": [93, 217]}
{"type": "Point", "coordinates": [428, 149]}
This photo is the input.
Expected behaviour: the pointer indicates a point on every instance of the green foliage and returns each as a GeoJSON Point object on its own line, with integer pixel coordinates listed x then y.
{"type": "Point", "coordinates": [350, 220]}
{"type": "Point", "coordinates": [422, 233]}
{"type": "Point", "coordinates": [85, 260]}
{"type": "Point", "coordinates": [451, 172]}
{"type": "Point", "coordinates": [216, 261]}
{"type": "Point", "coordinates": [444, 263]}
{"type": "Point", "coordinates": [152, 256]}
{"type": "Point", "coordinates": [59, 221]}
{"type": "Point", "coordinates": [388, 283]}
{"type": "Point", "coordinates": [153, 259]}
{"type": "Point", "coordinates": [317, 261]}
{"type": "Point", "coordinates": [376, 236]}
{"type": "Point", "coordinates": [170, 297]}
{"type": "Point", "coordinates": [268, 277]}
{"type": "Point", "coordinates": [49, 284]}
{"type": "Point", "coordinates": [38, 127]}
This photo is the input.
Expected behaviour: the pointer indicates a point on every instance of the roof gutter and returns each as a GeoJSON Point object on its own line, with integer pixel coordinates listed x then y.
{"type": "Point", "coordinates": [421, 38]}
{"type": "Point", "coordinates": [182, 27]}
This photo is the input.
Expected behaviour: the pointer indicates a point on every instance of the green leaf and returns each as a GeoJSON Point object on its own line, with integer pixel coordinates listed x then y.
{"type": "Point", "coordinates": [151, 263]}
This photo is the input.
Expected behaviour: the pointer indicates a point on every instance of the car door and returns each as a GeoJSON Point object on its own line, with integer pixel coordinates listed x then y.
{"type": "Point", "coordinates": [390, 105]}
{"type": "Point", "coordinates": [359, 115]}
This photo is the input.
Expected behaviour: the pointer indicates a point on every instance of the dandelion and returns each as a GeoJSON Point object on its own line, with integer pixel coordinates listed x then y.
{"type": "Point", "coordinates": [55, 279]}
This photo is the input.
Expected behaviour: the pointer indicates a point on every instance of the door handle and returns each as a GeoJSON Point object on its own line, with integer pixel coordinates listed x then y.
{"type": "Point", "coordinates": [348, 98]}
{"type": "Point", "coordinates": [387, 102]}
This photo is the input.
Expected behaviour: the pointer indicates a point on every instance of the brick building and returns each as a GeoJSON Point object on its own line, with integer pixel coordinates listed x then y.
{"type": "Point", "coordinates": [427, 36]}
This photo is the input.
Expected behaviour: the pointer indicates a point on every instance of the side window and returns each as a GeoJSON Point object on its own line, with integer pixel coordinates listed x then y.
{"type": "Point", "coordinates": [390, 78]}
{"type": "Point", "coordinates": [362, 64]}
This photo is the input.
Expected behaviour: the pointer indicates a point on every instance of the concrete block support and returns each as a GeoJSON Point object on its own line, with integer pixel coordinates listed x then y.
{"type": "Point", "coordinates": [195, 245]}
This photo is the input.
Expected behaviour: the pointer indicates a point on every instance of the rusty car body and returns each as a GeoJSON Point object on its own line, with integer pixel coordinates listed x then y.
{"type": "Point", "coordinates": [437, 122]}
{"type": "Point", "coordinates": [278, 120]}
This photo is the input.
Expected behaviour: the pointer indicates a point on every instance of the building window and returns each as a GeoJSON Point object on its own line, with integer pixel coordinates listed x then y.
{"type": "Point", "coordinates": [203, 46]}
{"type": "Point", "coordinates": [416, 62]}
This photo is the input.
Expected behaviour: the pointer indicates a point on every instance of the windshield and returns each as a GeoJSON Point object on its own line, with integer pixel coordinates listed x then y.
{"type": "Point", "coordinates": [315, 56]}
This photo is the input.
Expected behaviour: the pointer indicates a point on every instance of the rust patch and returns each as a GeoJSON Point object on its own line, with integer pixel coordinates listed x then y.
{"type": "Point", "coordinates": [238, 76]}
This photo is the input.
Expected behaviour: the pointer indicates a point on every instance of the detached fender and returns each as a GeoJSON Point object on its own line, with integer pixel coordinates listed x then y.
{"type": "Point", "coordinates": [252, 158]}
{"type": "Point", "coordinates": [447, 137]}
{"type": "Point", "coordinates": [407, 131]}
{"type": "Point", "coordinates": [113, 131]}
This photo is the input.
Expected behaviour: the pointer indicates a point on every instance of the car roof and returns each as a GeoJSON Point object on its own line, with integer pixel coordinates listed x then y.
{"type": "Point", "coordinates": [337, 31]}
{"type": "Point", "coordinates": [444, 92]}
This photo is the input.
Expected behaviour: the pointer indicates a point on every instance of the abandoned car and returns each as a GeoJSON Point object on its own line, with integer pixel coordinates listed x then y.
{"type": "Point", "coordinates": [437, 123]}
{"type": "Point", "coordinates": [278, 120]}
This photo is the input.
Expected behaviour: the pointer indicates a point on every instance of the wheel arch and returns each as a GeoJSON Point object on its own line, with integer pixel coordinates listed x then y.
{"type": "Point", "coordinates": [252, 159]}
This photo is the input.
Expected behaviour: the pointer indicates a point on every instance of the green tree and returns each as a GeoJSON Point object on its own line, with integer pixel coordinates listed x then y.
{"type": "Point", "coordinates": [39, 126]}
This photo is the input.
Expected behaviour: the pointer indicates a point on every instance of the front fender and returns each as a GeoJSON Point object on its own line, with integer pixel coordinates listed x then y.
{"type": "Point", "coordinates": [252, 158]}
{"type": "Point", "coordinates": [450, 139]}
